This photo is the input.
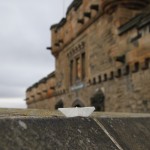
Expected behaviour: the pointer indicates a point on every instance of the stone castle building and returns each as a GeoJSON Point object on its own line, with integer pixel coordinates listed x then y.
{"type": "Point", "coordinates": [102, 58]}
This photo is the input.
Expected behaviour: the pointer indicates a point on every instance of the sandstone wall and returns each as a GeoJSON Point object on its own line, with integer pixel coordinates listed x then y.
{"type": "Point", "coordinates": [117, 57]}
{"type": "Point", "coordinates": [40, 94]}
{"type": "Point", "coordinates": [102, 45]}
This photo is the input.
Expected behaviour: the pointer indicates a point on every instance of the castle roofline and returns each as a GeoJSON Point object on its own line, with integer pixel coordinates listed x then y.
{"type": "Point", "coordinates": [53, 26]}
{"type": "Point", "coordinates": [75, 4]}
{"type": "Point", "coordinates": [29, 89]}
{"type": "Point", "coordinates": [43, 80]}
{"type": "Point", "coordinates": [51, 75]}
{"type": "Point", "coordinates": [59, 25]}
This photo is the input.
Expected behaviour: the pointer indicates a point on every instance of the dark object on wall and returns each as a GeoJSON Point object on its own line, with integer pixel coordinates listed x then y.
{"type": "Point", "coordinates": [60, 104]}
{"type": "Point", "coordinates": [81, 21]}
{"type": "Point", "coordinates": [94, 7]}
{"type": "Point", "coordinates": [121, 59]}
{"type": "Point", "coordinates": [77, 103]}
{"type": "Point", "coordinates": [98, 101]}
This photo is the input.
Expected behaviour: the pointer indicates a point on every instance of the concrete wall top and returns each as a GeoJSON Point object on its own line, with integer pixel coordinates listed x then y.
{"type": "Point", "coordinates": [39, 129]}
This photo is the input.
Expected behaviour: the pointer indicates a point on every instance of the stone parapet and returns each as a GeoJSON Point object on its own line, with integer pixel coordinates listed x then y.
{"type": "Point", "coordinates": [42, 129]}
{"type": "Point", "coordinates": [41, 90]}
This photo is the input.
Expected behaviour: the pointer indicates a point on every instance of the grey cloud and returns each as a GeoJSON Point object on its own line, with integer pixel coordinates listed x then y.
{"type": "Point", "coordinates": [12, 103]}
{"type": "Point", "coordinates": [24, 36]}
{"type": "Point", "coordinates": [7, 91]}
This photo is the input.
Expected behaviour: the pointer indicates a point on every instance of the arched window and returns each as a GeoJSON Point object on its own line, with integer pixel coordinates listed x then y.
{"type": "Point", "coordinates": [126, 70]}
{"type": "Point", "coordinates": [105, 77]}
{"type": "Point", "coordinates": [94, 80]}
{"type": "Point", "coordinates": [136, 67]}
{"type": "Point", "coordinates": [99, 78]}
{"type": "Point", "coordinates": [77, 103]}
{"type": "Point", "coordinates": [111, 75]}
{"type": "Point", "coordinates": [98, 101]}
{"type": "Point", "coordinates": [59, 104]}
{"type": "Point", "coordinates": [119, 73]}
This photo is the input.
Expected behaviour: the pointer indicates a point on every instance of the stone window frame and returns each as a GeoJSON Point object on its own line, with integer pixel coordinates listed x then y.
{"type": "Point", "coordinates": [77, 53]}
{"type": "Point", "coordinates": [82, 67]}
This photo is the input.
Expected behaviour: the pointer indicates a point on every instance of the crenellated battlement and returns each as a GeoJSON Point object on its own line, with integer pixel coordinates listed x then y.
{"type": "Point", "coordinates": [81, 14]}
{"type": "Point", "coordinates": [74, 5]}
{"type": "Point", "coordinates": [41, 90]}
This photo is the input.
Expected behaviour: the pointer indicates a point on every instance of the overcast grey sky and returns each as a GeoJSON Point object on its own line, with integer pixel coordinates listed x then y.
{"type": "Point", "coordinates": [24, 36]}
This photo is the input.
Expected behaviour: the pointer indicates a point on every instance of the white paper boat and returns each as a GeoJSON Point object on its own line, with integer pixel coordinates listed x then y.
{"type": "Point", "coordinates": [77, 111]}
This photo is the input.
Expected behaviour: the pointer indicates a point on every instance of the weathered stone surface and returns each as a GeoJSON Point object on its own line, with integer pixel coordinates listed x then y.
{"type": "Point", "coordinates": [39, 129]}
{"type": "Point", "coordinates": [130, 133]}
{"type": "Point", "coordinates": [13, 113]}
{"type": "Point", "coordinates": [53, 133]}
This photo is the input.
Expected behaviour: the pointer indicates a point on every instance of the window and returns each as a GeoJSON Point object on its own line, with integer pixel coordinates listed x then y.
{"type": "Point", "coordinates": [83, 66]}
{"type": "Point", "coordinates": [119, 72]}
{"type": "Point", "coordinates": [136, 67]}
{"type": "Point", "coordinates": [126, 70]}
{"type": "Point", "coordinates": [146, 63]}
{"type": "Point", "coordinates": [80, 67]}
{"type": "Point", "coordinates": [77, 68]}
{"type": "Point", "coordinates": [105, 77]}
{"type": "Point", "coordinates": [111, 75]}
{"type": "Point", "coordinates": [100, 78]}
{"type": "Point", "coordinates": [71, 72]}
{"type": "Point", "coordinates": [94, 80]}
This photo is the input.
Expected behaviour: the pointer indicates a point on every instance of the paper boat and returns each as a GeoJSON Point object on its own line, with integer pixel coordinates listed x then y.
{"type": "Point", "coordinates": [77, 111]}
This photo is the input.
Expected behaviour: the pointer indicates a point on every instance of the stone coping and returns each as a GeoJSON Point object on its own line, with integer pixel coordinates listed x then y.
{"type": "Point", "coordinates": [46, 113]}
{"type": "Point", "coordinates": [28, 129]}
